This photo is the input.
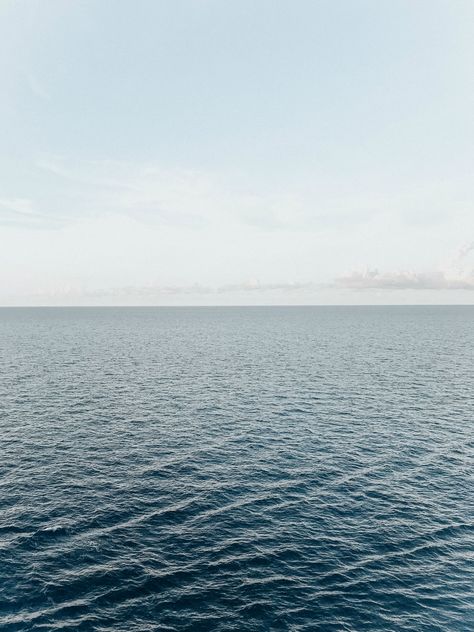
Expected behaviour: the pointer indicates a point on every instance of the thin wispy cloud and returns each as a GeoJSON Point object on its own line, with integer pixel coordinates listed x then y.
{"type": "Point", "coordinates": [22, 207]}
{"type": "Point", "coordinates": [195, 197]}
{"type": "Point", "coordinates": [154, 194]}
{"type": "Point", "coordinates": [38, 88]}
{"type": "Point", "coordinates": [23, 212]}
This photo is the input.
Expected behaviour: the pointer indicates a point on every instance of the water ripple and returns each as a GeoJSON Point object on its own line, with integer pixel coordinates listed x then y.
{"type": "Point", "coordinates": [290, 469]}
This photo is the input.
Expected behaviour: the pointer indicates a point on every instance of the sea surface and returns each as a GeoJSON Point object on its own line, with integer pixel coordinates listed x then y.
{"type": "Point", "coordinates": [237, 469]}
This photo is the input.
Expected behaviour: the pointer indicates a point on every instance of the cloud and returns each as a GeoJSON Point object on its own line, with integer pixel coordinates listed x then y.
{"type": "Point", "coordinates": [22, 212]}
{"type": "Point", "coordinates": [38, 88]}
{"type": "Point", "coordinates": [357, 280]}
{"type": "Point", "coordinates": [17, 206]}
{"type": "Point", "coordinates": [194, 197]}
{"type": "Point", "coordinates": [455, 275]}
{"type": "Point", "coordinates": [154, 194]}
{"type": "Point", "coordinates": [148, 291]}
{"type": "Point", "coordinates": [464, 250]}
{"type": "Point", "coordinates": [256, 286]}
{"type": "Point", "coordinates": [160, 291]}
{"type": "Point", "coordinates": [375, 280]}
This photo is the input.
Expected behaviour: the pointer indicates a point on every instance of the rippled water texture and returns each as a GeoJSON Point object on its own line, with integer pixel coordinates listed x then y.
{"type": "Point", "coordinates": [237, 469]}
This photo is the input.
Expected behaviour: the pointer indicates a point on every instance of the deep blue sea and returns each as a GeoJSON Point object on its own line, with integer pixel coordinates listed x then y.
{"type": "Point", "coordinates": [237, 469]}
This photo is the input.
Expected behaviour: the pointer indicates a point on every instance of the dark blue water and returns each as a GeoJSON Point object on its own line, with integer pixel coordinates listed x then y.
{"type": "Point", "coordinates": [237, 469]}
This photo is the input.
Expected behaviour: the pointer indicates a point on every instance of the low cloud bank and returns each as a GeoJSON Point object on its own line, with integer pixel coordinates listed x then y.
{"type": "Point", "coordinates": [157, 291]}
{"type": "Point", "coordinates": [404, 280]}
{"type": "Point", "coordinates": [454, 275]}
{"type": "Point", "coordinates": [256, 286]}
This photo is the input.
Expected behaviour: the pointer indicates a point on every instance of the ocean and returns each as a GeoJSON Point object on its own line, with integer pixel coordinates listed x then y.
{"type": "Point", "coordinates": [260, 468]}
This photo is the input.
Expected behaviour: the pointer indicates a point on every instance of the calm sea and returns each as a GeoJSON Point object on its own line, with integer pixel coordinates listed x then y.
{"type": "Point", "coordinates": [224, 469]}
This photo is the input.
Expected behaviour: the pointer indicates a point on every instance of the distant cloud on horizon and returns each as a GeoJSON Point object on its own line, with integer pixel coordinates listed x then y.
{"type": "Point", "coordinates": [403, 280]}
{"type": "Point", "coordinates": [454, 276]}
{"type": "Point", "coordinates": [150, 291]}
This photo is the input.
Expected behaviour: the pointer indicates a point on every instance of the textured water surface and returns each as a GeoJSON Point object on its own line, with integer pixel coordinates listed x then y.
{"type": "Point", "coordinates": [237, 469]}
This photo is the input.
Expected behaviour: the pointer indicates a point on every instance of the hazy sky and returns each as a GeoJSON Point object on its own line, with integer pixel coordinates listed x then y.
{"type": "Point", "coordinates": [236, 151]}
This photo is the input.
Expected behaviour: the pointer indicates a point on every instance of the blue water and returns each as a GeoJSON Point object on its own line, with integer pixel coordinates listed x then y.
{"type": "Point", "coordinates": [243, 469]}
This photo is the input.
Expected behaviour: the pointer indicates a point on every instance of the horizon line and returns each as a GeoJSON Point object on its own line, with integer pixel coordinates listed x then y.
{"type": "Point", "coordinates": [237, 305]}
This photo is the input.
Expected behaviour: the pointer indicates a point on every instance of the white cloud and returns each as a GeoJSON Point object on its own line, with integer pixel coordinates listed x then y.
{"type": "Point", "coordinates": [403, 280]}
{"type": "Point", "coordinates": [457, 274]}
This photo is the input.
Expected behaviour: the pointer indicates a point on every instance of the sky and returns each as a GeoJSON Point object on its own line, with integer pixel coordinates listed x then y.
{"type": "Point", "coordinates": [206, 152]}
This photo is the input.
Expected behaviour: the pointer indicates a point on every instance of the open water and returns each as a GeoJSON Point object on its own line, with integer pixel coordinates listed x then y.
{"type": "Point", "coordinates": [237, 469]}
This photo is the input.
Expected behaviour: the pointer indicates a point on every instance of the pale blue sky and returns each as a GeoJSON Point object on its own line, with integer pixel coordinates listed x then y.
{"type": "Point", "coordinates": [213, 151]}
